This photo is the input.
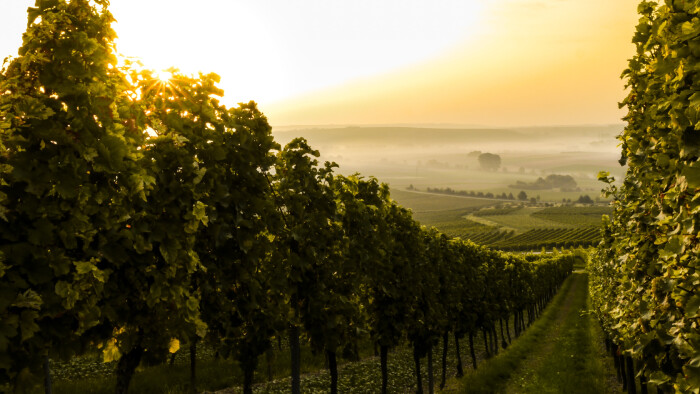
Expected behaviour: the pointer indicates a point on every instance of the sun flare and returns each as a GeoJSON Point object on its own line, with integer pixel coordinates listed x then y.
{"type": "Point", "coordinates": [164, 76]}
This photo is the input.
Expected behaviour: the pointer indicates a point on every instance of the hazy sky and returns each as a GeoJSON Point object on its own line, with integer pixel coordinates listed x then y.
{"type": "Point", "coordinates": [485, 62]}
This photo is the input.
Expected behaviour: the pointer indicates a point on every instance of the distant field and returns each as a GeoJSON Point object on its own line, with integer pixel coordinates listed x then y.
{"type": "Point", "coordinates": [578, 216]}
{"type": "Point", "coordinates": [520, 220]}
{"type": "Point", "coordinates": [452, 223]}
{"type": "Point", "coordinates": [438, 157]}
{"type": "Point", "coordinates": [506, 227]}
{"type": "Point", "coordinates": [552, 237]}
{"type": "Point", "coordinates": [421, 202]}
{"type": "Point", "coordinates": [423, 157]}
{"type": "Point", "coordinates": [536, 239]}
{"type": "Point", "coordinates": [422, 176]}
{"type": "Point", "coordinates": [444, 212]}
{"type": "Point", "coordinates": [497, 211]}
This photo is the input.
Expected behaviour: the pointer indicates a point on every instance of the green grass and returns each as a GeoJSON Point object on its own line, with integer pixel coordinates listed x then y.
{"type": "Point", "coordinates": [559, 353]}
{"type": "Point", "coordinates": [573, 364]}
{"type": "Point", "coordinates": [492, 375]}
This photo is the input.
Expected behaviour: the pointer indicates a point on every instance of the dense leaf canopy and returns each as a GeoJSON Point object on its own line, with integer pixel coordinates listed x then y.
{"type": "Point", "coordinates": [645, 281]}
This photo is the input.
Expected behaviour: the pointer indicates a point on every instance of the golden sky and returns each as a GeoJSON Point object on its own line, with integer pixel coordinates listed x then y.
{"type": "Point", "coordinates": [468, 62]}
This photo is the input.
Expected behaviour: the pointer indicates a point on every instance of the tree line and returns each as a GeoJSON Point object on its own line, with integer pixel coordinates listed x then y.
{"type": "Point", "coordinates": [467, 193]}
{"type": "Point", "coordinates": [139, 215]}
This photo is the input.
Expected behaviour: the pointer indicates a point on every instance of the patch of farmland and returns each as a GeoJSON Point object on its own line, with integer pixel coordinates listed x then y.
{"type": "Point", "coordinates": [579, 216]}
{"type": "Point", "coordinates": [425, 202]}
{"type": "Point", "coordinates": [551, 237]}
{"type": "Point", "coordinates": [520, 220]}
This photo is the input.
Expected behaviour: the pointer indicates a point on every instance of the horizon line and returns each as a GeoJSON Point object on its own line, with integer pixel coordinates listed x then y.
{"type": "Point", "coordinates": [434, 125]}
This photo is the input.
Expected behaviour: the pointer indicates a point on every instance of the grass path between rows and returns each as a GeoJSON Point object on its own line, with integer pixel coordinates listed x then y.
{"type": "Point", "coordinates": [560, 353]}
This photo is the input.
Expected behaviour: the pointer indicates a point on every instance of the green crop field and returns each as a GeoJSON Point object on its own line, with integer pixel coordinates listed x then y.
{"type": "Point", "coordinates": [551, 237]}
{"type": "Point", "coordinates": [420, 202]}
{"type": "Point", "coordinates": [579, 216]}
{"type": "Point", "coordinates": [519, 220]}
{"type": "Point", "coordinates": [534, 239]}
{"type": "Point", "coordinates": [447, 213]}
{"type": "Point", "coordinates": [497, 211]}
{"type": "Point", "coordinates": [452, 223]}
{"type": "Point", "coordinates": [506, 225]}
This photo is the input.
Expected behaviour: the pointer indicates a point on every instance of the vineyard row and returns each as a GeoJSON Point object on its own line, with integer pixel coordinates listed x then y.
{"type": "Point", "coordinates": [538, 238]}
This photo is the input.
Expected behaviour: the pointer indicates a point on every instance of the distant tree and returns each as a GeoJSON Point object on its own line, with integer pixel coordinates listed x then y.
{"type": "Point", "coordinates": [488, 195]}
{"type": "Point", "coordinates": [564, 182]}
{"type": "Point", "coordinates": [552, 181]}
{"type": "Point", "coordinates": [540, 183]}
{"type": "Point", "coordinates": [522, 196]}
{"type": "Point", "coordinates": [489, 161]}
{"type": "Point", "coordinates": [474, 154]}
{"type": "Point", "coordinates": [585, 199]}
{"type": "Point", "coordinates": [533, 200]}
{"type": "Point", "coordinates": [510, 196]}
{"type": "Point", "coordinates": [410, 187]}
